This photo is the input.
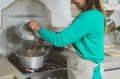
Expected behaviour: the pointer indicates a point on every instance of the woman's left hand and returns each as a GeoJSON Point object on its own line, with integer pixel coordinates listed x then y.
{"type": "Point", "coordinates": [34, 25]}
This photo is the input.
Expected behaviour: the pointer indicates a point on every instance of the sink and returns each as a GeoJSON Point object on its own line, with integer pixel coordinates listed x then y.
{"type": "Point", "coordinates": [50, 74]}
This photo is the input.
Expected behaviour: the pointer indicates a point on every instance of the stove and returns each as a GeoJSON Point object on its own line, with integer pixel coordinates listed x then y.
{"type": "Point", "coordinates": [51, 69]}
{"type": "Point", "coordinates": [49, 64]}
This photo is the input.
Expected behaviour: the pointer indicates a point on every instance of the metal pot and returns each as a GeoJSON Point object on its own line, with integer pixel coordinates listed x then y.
{"type": "Point", "coordinates": [33, 62]}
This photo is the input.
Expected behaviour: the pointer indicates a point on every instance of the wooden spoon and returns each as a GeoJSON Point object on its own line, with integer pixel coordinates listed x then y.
{"type": "Point", "coordinates": [33, 51]}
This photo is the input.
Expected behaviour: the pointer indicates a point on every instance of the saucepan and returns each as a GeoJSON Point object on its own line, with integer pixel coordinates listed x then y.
{"type": "Point", "coordinates": [32, 62]}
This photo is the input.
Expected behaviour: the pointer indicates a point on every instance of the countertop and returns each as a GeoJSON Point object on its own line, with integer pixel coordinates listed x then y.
{"type": "Point", "coordinates": [8, 71]}
{"type": "Point", "coordinates": [111, 58]}
{"type": "Point", "coordinates": [111, 62]}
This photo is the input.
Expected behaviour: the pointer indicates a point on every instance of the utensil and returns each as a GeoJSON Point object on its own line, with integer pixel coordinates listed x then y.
{"type": "Point", "coordinates": [33, 51]}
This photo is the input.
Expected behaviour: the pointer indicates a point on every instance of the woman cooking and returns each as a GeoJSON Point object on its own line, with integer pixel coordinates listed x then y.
{"type": "Point", "coordinates": [86, 34]}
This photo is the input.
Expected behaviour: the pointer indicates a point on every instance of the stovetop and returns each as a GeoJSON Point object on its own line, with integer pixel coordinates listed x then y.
{"type": "Point", "coordinates": [49, 64]}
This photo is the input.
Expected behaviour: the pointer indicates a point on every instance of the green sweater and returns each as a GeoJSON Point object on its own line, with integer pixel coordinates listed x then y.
{"type": "Point", "coordinates": [86, 34]}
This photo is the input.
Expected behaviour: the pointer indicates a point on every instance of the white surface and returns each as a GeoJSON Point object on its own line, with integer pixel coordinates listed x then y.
{"type": "Point", "coordinates": [8, 71]}
{"type": "Point", "coordinates": [4, 4]}
{"type": "Point", "coordinates": [111, 63]}
{"type": "Point", "coordinates": [0, 19]}
{"type": "Point", "coordinates": [114, 74]}
{"type": "Point", "coordinates": [116, 17]}
{"type": "Point", "coordinates": [61, 12]}
{"type": "Point", "coordinates": [116, 5]}
{"type": "Point", "coordinates": [109, 5]}
{"type": "Point", "coordinates": [109, 38]}
{"type": "Point", "coordinates": [117, 37]}
{"type": "Point", "coordinates": [111, 59]}
{"type": "Point", "coordinates": [112, 5]}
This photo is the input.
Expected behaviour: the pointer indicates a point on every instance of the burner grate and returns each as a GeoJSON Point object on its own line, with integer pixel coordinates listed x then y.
{"type": "Point", "coordinates": [48, 65]}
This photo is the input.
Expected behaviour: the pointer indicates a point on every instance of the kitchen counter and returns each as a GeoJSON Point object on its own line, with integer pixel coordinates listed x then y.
{"type": "Point", "coordinates": [111, 62]}
{"type": "Point", "coordinates": [111, 67]}
{"type": "Point", "coordinates": [111, 58]}
{"type": "Point", "coordinates": [8, 71]}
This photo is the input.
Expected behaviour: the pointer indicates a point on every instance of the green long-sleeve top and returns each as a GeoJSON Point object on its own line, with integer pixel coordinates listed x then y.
{"type": "Point", "coordinates": [86, 34]}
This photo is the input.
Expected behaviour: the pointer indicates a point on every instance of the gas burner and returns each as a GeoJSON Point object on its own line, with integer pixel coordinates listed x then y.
{"type": "Point", "coordinates": [31, 70]}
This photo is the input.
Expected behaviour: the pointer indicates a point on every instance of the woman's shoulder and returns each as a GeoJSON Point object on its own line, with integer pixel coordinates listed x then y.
{"type": "Point", "coordinates": [92, 13]}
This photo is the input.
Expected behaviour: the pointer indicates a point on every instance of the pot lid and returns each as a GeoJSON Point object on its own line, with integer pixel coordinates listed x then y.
{"type": "Point", "coordinates": [24, 32]}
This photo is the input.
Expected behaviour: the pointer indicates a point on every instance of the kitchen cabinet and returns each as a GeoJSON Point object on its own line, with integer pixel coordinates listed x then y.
{"type": "Point", "coordinates": [111, 66]}
{"type": "Point", "coordinates": [111, 4]}
{"type": "Point", "coordinates": [113, 74]}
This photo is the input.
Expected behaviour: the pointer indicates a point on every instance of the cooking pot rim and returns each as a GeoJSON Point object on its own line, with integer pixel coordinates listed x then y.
{"type": "Point", "coordinates": [20, 55]}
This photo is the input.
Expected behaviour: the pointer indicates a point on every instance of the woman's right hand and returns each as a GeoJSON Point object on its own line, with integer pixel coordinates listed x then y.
{"type": "Point", "coordinates": [34, 25]}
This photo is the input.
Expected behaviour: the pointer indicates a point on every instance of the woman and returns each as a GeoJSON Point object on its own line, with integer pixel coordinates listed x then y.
{"type": "Point", "coordinates": [86, 34]}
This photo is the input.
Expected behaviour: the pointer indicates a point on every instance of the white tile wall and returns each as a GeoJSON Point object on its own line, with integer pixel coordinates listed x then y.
{"type": "Point", "coordinates": [61, 12]}
{"type": "Point", "coordinates": [3, 4]}
{"type": "Point", "coordinates": [59, 8]}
